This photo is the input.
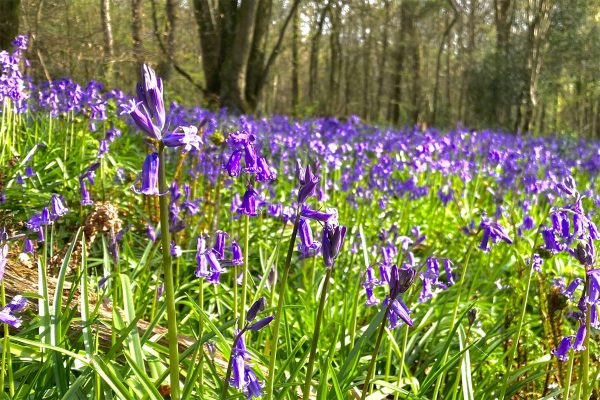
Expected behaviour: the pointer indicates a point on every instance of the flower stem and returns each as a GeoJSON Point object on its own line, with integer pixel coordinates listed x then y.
{"type": "Point", "coordinates": [374, 355]}
{"type": "Point", "coordinates": [586, 352]}
{"type": "Point", "coordinates": [315, 338]}
{"type": "Point", "coordinates": [229, 366]}
{"type": "Point", "coordinates": [245, 269]}
{"type": "Point", "coordinates": [276, 322]}
{"type": "Point", "coordinates": [169, 285]}
{"type": "Point", "coordinates": [569, 374]}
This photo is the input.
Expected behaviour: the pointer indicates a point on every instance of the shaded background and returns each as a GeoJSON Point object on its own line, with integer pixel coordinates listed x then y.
{"type": "Point", "coordinates": [529, 65]}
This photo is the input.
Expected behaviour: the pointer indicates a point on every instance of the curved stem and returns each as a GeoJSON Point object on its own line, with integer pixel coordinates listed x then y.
{"type": "Point", "coordinates": [169, 285]}
{"type": "Point", "coordinates": [276, 322]}
{"type": "Point", "coordinates": [374, 355]}
{"type": "Point", "coordinates": [315, 338]}
{"type": "Point", "coordinates": [586, 352]}
{"type": "Point", "coordinates": [245, 269]}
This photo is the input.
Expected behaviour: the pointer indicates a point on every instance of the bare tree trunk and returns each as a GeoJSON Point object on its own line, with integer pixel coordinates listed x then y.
{"type": "Point", "coordinates": [108, 39]}
{"type": "Point", "coordinates": [396, 99]}
{"type": "Point", "coordinates": [9, 22]}
{"type": "Point", "coordinates": [503, 21]}
{"type": "Point", "coordinates": [537, 30]}
{"type": "Point", "coordinates": [382, 59]}
{"type": "Point", "coordinates": [366, 102]}
{"type": "Point", "coordinates": [335, 49]}
{"type": "Point", "coordinates": [314, 55]}
{"type": "Point", "coordinates": [295, 83]}
{"type": "Point", "coordinates": [258, 51]}
{"type": "Point", "coordinates": [210, 44]}
{"type": "Point", "coordinates": [136, 32]}
{"type": "Point", "coordinates": [443, 42]}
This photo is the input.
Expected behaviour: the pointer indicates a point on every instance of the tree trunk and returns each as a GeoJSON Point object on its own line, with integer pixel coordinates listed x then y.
{"type": "Point", "coordinates": [396, 99]}
{"type": "Point", "coordinates": [443, 42]}
{"type": "Point", "coordinates": [382, 59]}
{"type": "Point", "coordinates": [258, 51]}
{"type": "Point", "coordinates": [108, 39]}
{"type": "Point", "coordinates": [210, 45]}
{"type": "Point", "coordinates": [9, 22]}
{"type": "Point", "coordinates": [136, 33]}
{"type": "Point", "coordinates": [314, 55]}
{"type": "Point", "coordinates": [503, 22]}
{"type": "Point", "coordinates": [335, 49]}
{"type": "Point", "coordinates": [295, 83]}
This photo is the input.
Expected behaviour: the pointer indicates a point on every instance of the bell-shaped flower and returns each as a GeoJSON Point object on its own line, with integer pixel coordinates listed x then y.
{"type": "Point", "coordinates": [149, 176]}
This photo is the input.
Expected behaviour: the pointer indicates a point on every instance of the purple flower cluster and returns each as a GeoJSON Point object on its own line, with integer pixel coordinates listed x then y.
{"type": "Point", "coordinates": [573, 232]}
{"type": "Point", "coordinates": [13, 85]}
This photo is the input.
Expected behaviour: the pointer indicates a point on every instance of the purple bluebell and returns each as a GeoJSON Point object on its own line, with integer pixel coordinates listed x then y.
{"type": "Point", "coordinates": [29, 172]}
{"type": "Point", "coordinates": [562, 351]}
{"type": "Point", "coordinates": [332, 242]}
{"type": "Point", "coordinates": [258, 306]}
{"type": "Point", "coordinates": [57, 206]}
{"type": "Point", "coordinates": [578, 344]}
{"type": "Point", "coordinates": [85, 194]}
{"type": "Point", "coordinates": [149, 111]}
{"type": "Point", "coordinates": [327, 216]}
{"type": "Point", "coordinates": [308, 247]}
{"type": "Point", "coordinates": [448, 269]}
{"type": "Point", "coordinates": [237, 255]}
{"type": "Point", "coordinates": [308, 181]}
{"type": "Point", "coordinates": [215, 266]}
{"type": "Point", "coordinates": [261, 323]}
{"type": "Point", "coordinates": [253, 385]}
{"type": "Point", "coordinates": [3, 259]}
{"type": "Point", "coordinates": [27, 246]}
{"type": "Point", "coordinates": [570, 290]}
{"type": "Point", "coordinates": [536, 262]}
{"type": "Point", "coordinates": [398, 312]}
{"type": "Point", "coordinates": [149, 176]}
{"type": "Point", "coordinates": [201, 259]}
{"type": "Point", "coordinates": [248, 206]}
{"type": "Point", "coordinates": [102, 148]}
{"type": "Point", "coordinates": [175, 250]}
{"type": "Point", "coordinates": [219, 247]}
{"type": "Point", "coordinates": [594, 286]}
{"type": "Point", "coordinates": [184, 136]}
{"type": "Point", "coordinates": [265, 172]}
{"type": "Point", "coordinates": [233, 166]}
{"type": "Point", "coordinates": [7, 314]}
{"type": "Point", "coordinates": [494, 231]}
{"type": "Point", "coordinates": [250, 159]}
{"type": "Point", "coordinates": [241, 137]}
{"type": "Point", "coordinates": [239, 356]}
{"type": "Point", "coordinates": [150, 232]}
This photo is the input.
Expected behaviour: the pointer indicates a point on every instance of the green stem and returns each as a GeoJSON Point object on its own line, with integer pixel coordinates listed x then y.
{"type": "Point", "coordinates": [371, 369]}
{"type": "Point", "coordinates": [586, 352]}
{"type": "Point", "coordinates": [278, 314]}
{"type": "Point", "coordinates": [169, 286]}
{"type": "Point", "coordinates": [245, 269]}
{"type": "Point", "coordinates": [230, 366]}
{"type": "Point", "coordinates": [402, 359]}
{"type": "Point", "coordinates": [454, 314]}
{"type": "Point", "coordinates": [200, 333]}
{"type": "Point", "coordinates": [519, 328]}
{"type": "Point", "coordinates": [569, 374]}
{"type": "Point", "coordinates": [315, 338]}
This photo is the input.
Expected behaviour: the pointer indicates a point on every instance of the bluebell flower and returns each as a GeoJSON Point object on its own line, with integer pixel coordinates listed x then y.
{"type": "Point", "coordinates": [58, 207]}
{"type": "Point", "coordinates": [219, 247]}
{"type": "Point", "coordinates": [562, 351]}
{"type": "Point", "coordinates": [233, 166]}
{"type": "Point", "coordinates": [237, 255]}
{"type": "Point", "coordinates": [248, 206]}
{"type": "Point", "coordinates": [149, 176]}
{"type": "Point", "coordinates": [7, 314]}
{"type": "Point", "coordinates": [332, 242]}
{"type": "Point", "coordinates": [578, 344]}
